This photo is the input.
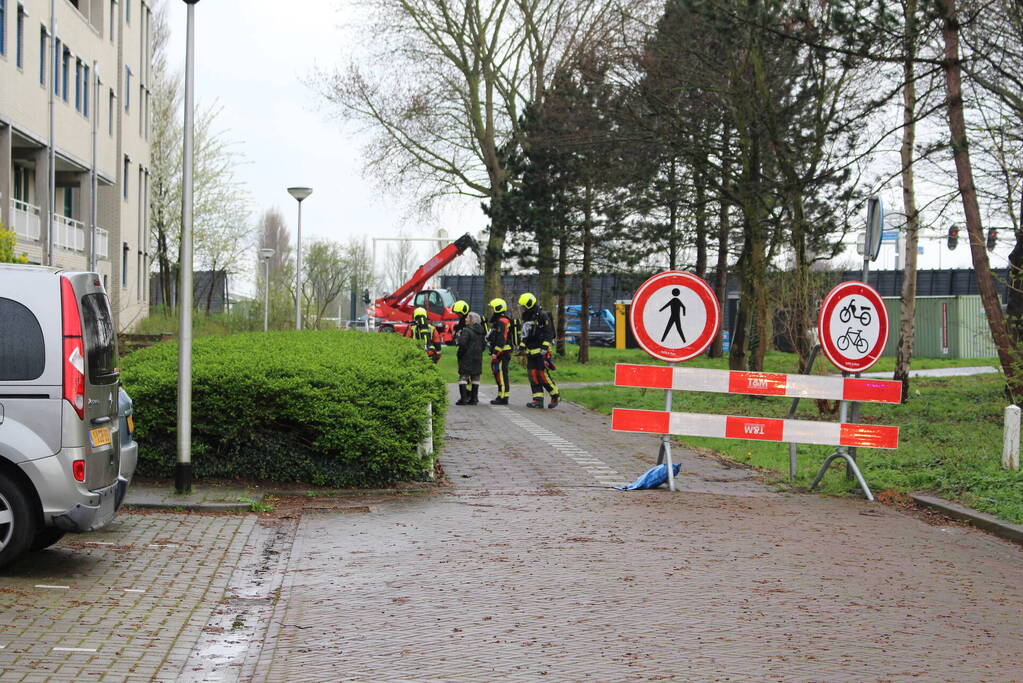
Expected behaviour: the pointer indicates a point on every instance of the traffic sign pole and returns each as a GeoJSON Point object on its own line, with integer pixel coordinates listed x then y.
{"type": "Point", "coordinates": [674, 316]}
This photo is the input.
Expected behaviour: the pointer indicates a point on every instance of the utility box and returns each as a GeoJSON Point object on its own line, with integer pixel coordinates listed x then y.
{"type": "Point", "coordinates": [946, 327]}
{"type": "Point", "coordinates": [623, 331]}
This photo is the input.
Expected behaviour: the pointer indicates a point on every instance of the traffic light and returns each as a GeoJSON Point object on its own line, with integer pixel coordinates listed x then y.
{"type": "Point", "coordinates": [953, 237]}
{"type": "Point", "coordinates": [365, 296]}
{"type": "Point", "coordinates": [992, 238]}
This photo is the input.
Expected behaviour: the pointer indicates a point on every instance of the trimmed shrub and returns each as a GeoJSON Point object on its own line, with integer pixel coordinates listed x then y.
{"type": "Point", "coordinates": [326, 408]}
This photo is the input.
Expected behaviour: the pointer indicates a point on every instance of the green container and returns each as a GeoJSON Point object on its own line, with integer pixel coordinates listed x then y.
{"type": "Point", "coordinates": [946, 327]}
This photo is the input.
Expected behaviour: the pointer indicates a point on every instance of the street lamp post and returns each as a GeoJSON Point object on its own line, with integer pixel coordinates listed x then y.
{"type": "Point", "coordinates": [183, 467]}
{"type": "Point", "coordinates": [299, 193]}
{"type": "Point", "coordinates": [266, 254]}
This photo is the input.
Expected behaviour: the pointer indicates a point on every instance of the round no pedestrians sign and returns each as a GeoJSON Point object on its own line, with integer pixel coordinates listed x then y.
{"type": "Point", "coordinates": [674, 316]}
{"type": "Point", "coordinates": [853, 326]}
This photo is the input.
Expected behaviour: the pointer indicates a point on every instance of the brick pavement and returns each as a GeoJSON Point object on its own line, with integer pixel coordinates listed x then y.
{"type": "Point", "coordinates": [528, 569]}
{"type": "Point", "coordinates": [129, 601]}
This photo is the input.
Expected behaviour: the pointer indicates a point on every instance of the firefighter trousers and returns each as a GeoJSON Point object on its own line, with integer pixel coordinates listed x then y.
{"type": "Point", "coordinates": [500, 370]}
{"type": "Point", "coordinates": [540, 377]}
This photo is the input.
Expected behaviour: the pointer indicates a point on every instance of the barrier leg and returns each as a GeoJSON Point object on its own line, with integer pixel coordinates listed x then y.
{"type": "Point", "coordinates": [666, 442]}
{"type": "Point", "coordinates": [851, 465]}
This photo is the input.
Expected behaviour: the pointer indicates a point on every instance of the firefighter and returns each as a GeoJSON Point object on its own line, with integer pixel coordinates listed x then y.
{"type": "Point", "coordinates": [537, 341]}
{"type": "Point", "coordinates": [471, 341]}
{"type": "Point", "coordinates": [425, 334]}
{"type": "Point", "coordinates": [461, 309]}
{"type": "Point", "coordinates": [499, 339]}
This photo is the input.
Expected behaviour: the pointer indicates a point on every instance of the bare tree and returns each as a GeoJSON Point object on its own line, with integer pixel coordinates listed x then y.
{"type": "Point", "coordinates": [444, 86]}
{"type": "Point", "coordinates": [164, 158]}
{"type": "Point", "coordinates": [328, 273]}
{"type": "Point", "coordinates": [399, 263]}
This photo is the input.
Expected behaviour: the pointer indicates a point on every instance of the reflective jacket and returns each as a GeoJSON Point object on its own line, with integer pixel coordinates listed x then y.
{"type": "Point", "coordinates": [537, 331]}
{"type": "Point", "coordinates": [499, 339]}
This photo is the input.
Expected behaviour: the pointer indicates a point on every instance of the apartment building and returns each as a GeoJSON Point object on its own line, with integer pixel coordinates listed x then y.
{"type": "Point", "coordinates": [74, 140]}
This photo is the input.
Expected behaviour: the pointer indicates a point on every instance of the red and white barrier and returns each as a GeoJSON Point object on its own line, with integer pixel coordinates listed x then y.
{"type": "Point", "coordinates": [758, 383]}
{"type": "Point", "coordinates": [758, 428]}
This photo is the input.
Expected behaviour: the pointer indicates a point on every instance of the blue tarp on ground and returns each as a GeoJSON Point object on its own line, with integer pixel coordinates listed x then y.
{"type": "Point", "coordinates": [651, 479]}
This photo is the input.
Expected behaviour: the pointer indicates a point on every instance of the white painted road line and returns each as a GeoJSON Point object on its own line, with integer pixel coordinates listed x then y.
{"type": "Point", "coordinates": [133, 590]}
{"type": "Point", "coordinates": [601, 473]}
{"type": "Point", "coordinates": [74, 649]}
{"type": "Point", "coordinates": [43, 585]}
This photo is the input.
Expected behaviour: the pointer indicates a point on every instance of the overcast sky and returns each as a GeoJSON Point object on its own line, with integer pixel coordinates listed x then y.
{"type": "Point", "coordinates": [251, 57]}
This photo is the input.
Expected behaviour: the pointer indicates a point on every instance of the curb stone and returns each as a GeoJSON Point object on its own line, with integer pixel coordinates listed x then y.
{"type": "Point", "coordinates": [1007, 530]}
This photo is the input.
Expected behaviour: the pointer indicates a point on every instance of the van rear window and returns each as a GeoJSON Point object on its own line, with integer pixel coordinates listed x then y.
{"type": "Point", "coordinates": [22, 353]}
{"type": "Point", "coordinates": [100, 341]}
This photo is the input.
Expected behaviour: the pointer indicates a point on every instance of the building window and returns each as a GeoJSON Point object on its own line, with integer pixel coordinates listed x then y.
{"type": "Point", "coordinates": [124, 265]}
{"type": "Point", "coordinates": [78, 85]}
{"type": "Point", "coordinates": [87, 87]}
{"type": "Point", "coordinates": [142, 107]}
{"type": "Point", "coordinates": [66, 63]}
{"type": "Point", "coordinates": [127, 11]}
{"type": "Point", "coordinates": [113, 18]}
{"type": "Point", "coordinates": [110, 112]}
{"type": "Point", "coordinates": [124, 179]}
{"type": "Point", "coordinates": [69, 202]}
{"type": "Point", "coordinates": [19, 46]}
{"type": "Point", "coordinates": [3, 27]}
{"type": "Point", "coordinates": [42, 55]}
{"type": "Point", "coordinates": [127, 88]}
{"type": "Point", "coordinates": [56, 66]}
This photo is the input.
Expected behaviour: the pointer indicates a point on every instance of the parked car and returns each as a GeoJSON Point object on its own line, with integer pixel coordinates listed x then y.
{"type": "Point", "coordinates": [62, 468]}
{"type": "Point", "coordinates": [602, 326]}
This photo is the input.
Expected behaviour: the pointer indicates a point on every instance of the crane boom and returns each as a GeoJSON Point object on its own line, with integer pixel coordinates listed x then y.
{"type": "Point", "coordinates": [431, 268]}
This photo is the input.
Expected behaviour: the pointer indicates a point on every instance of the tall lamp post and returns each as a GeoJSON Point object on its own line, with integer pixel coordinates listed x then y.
{"type": "Point", "coordinates": [183, 467]}
{"type": "Point", "coordinates": [299, 193]}
{"type": "Point", "coordinates": [266, 254]}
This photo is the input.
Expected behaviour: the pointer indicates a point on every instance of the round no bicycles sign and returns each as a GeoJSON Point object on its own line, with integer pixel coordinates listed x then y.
{"type": "Point", "coordinates": [853, 326]}
{"type": "Point", "coordinates": [674, 316]}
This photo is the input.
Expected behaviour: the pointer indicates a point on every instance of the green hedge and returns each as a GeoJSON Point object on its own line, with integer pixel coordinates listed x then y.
{"type": "Point", "coordinates": [327, 408]}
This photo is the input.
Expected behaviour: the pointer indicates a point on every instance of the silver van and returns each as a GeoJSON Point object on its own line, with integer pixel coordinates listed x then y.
{"type": "Point", "coordinates": [60, 441]}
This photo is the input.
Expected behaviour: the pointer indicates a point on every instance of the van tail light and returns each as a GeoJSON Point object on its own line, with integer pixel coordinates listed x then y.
{"type": "Point", "coordinates": [74, 349]}
{"type": "Point", "coordinates": [78, 469]}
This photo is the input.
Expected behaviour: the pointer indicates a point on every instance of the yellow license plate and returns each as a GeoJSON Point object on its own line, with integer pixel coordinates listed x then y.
{"type": "Point", "coordinates": [131, 424]}
{"type": "Point", "coordinates": [100, 436]}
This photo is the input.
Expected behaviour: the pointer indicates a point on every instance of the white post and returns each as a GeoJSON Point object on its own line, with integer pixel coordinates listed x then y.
{"type": "Point", "coordinates": [426, 447]}
{"type": "Point", "coordinates": [1010, 443]}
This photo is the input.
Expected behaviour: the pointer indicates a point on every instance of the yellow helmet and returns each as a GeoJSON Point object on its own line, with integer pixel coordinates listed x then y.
{"type": "Point", "coordinates": [460, 307]}
{"type": "Point", "coordinates": [527, 300]}
{"type": "Point", "coordinates": [499, 305]}
{"type": "Point", "coordinates": [419, 313]}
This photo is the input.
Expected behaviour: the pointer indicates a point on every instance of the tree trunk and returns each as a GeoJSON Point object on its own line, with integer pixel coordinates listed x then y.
{"type": "Point", "coordinates": [700, 179]}
{"type": "Point", "coordinates": [968, 192]}
{"type": "Point", "coordinates": [721, 276]}
{"type": "Point", "coordinates": [545, 266]}
{"type": "Point", "coordinates": [562, 288]}
{"type": "Point", "coordinates": [493, 256]}
{"type": "Point", "coordinates": [737, 350]}
{"type": "Point", "coordinates": [672, 215]}
{"type": "Point", "coordinates": [907, 325]}
{"type": "Point", "coordinates": [584, 312]}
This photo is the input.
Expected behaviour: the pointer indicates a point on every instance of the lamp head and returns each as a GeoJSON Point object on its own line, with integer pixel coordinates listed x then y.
{"type": "Point", "coordinates": [300, 193]}
{"type": "Point", "coordinates": [266, 253]}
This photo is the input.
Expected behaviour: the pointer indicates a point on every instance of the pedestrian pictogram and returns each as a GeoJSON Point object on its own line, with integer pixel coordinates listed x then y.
{"type": "Point", "coordinates": [674, 316]}
{"type": "Point", "coordinates": [853, 326]}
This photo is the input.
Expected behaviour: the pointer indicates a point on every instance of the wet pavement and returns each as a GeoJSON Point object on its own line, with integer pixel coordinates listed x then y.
{"type": "Point", "coordinates": [529, 568]}
{"type": "Point", "coordinates": [524, 565]}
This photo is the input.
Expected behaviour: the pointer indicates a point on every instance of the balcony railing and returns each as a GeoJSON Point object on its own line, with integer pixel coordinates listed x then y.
{"type": "Point", "coordinates": [102, 243]}
{"type": "Point", "coordinates": [27, 224]}
{"type": "Point", "coordinates": [68, 234]}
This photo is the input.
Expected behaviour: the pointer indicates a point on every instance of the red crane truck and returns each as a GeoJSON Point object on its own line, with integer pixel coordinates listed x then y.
{"type": "Point", "coordinates": [393, 312]}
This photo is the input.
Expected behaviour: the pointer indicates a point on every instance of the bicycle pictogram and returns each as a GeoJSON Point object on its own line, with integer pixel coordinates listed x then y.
{"type": "Point", "coordinates": [849, 311]}
{"type": "Point", "coordinates": [854, 337]}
